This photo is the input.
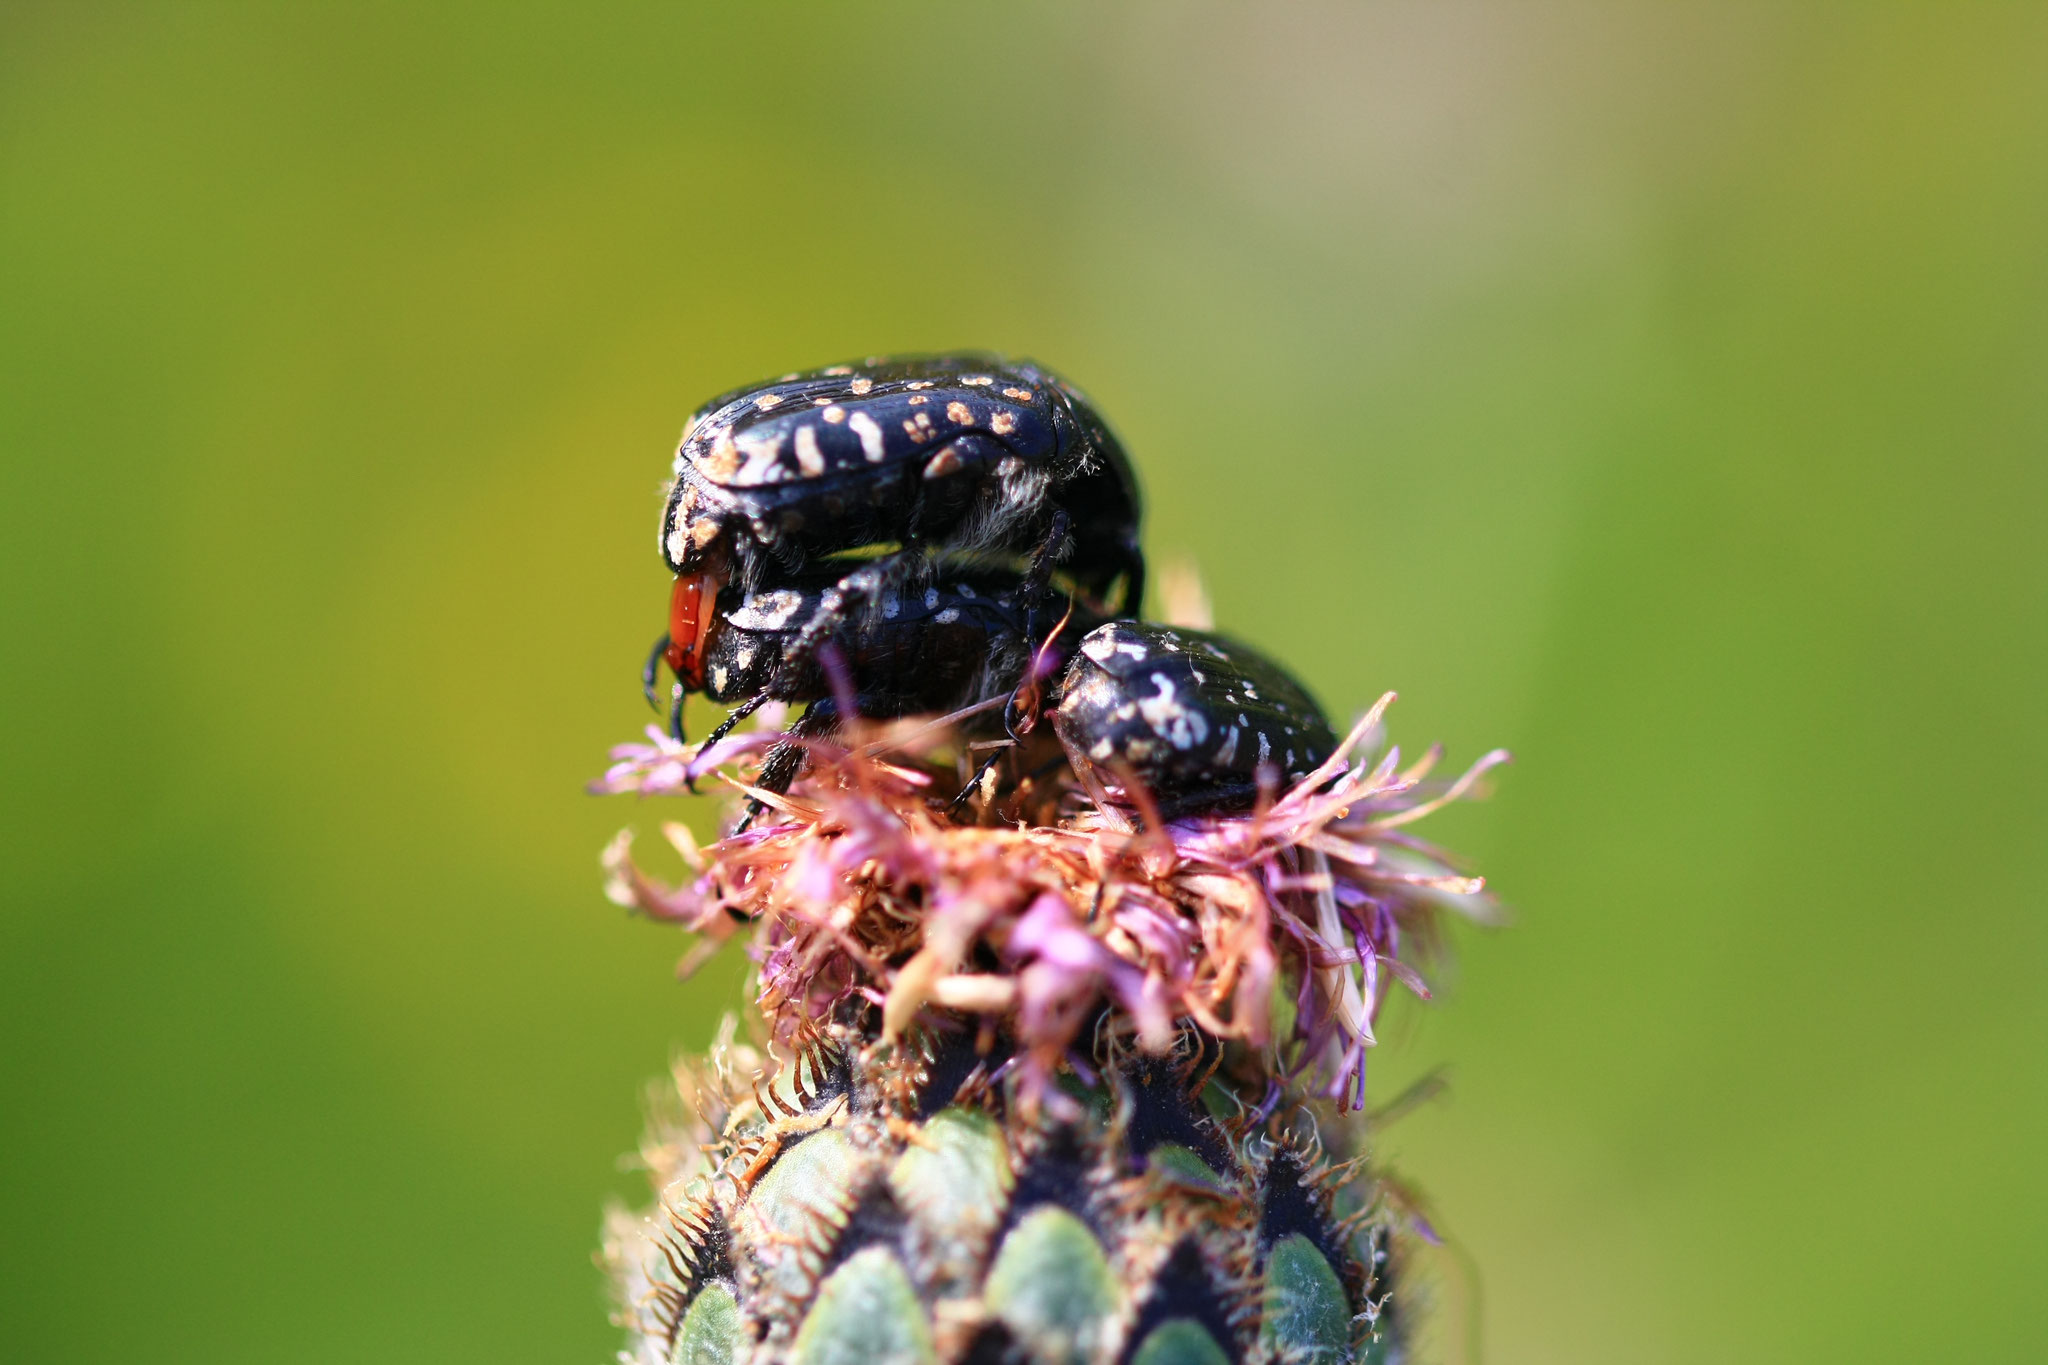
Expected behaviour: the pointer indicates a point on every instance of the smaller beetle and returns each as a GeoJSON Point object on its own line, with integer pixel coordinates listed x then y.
{"type": "Point", "coordinates": [963, 638]}
{"type": "Point", "coordinates": [1192, 716]}
{"type": "Point", "coordinates": [954, 641]}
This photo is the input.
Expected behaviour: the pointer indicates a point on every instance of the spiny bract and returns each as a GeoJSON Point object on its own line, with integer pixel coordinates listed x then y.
{"type": "Point", "coordinates": [883, 1205]}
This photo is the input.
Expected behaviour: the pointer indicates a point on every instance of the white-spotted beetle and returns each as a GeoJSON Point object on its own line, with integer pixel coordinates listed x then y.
{"type": "Point", "coordinates": [959, 639]}
{"type": "Point", "coordinates": [922, 516]}
{"type": "Point", "coordinates": [1197, 719]}
{"type": "Point", "coordinates": [882, 468]}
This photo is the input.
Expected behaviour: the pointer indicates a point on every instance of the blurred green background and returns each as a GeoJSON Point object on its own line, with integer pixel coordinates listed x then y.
{"type": "Point", "coordinates": [1661, 391]}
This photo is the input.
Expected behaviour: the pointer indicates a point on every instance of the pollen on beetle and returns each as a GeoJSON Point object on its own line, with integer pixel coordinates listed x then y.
{"type": "Point", "coordinates": [1021, 395]}
{"type": "Point", "coordinates": [959, 413]}
{"type": "Point", "coordinates": [861, 386]}
{"type": "Point", "coordinates": [1003, 423]}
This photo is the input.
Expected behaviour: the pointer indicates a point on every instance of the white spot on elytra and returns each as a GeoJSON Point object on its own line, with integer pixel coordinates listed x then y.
{"type": "Point", "coordinates": [861, 386]}
{"type": "Point", "coordinates": [834, 414]}
{"type": "Point", "coordinates": [1169, 718]}
{"type": "Point", "coordinates": [1228, 750]}
{"type": "Point", "coordinates": [808, 457]}
{"type": "Point", "coordinates": [870, 435]}
{"type": "Point", "coordinates": [764, 459]}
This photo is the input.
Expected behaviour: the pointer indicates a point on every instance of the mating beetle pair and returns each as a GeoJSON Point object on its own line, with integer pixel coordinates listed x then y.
{"type": "Point", "coordinates": [925, 522]}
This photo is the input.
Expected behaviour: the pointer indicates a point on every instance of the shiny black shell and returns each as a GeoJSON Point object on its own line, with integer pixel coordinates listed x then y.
{"type": "Point", "coordinates": [933, 647]}
{"type": "Point", "coordinates": [1191, 715]}
{"type": "Point", "coordinates": [965, 451]}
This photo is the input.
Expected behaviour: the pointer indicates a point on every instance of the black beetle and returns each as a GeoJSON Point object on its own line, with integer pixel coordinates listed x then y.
{"type": "Point", "coordinates": [1197, 719]}
{"type": "Point", "coordinates": [873, 468]}
{"type": "Point", "coordinates": [955, 640]}
{"type": "Point", "coordinates": [964, 636]}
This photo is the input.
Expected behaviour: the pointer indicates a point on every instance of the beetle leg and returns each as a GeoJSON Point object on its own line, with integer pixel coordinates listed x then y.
{"type": "Point", "coordinates": [739, 713]}
{"type": "Point", "coordinates": [974, 782]}
{"type": "Point", "coordinates": [786, 759]}
{"type": "Point", "coordinates": [1034, 587]}
{"type": "Point", "coordinates": [652, 671]}
{"type": "Point", "coordinates": [1038, 577]}
{"type": "Point", "coordinates": [722, 729]}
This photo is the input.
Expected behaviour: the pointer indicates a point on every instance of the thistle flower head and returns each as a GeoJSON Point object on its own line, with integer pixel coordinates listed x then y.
{"type": "Point", "coordinates": [1284, 927]}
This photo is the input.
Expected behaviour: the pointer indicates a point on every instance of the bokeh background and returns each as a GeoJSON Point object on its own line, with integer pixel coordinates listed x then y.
{"type": "Point", "coordinates": [1660, 391]}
